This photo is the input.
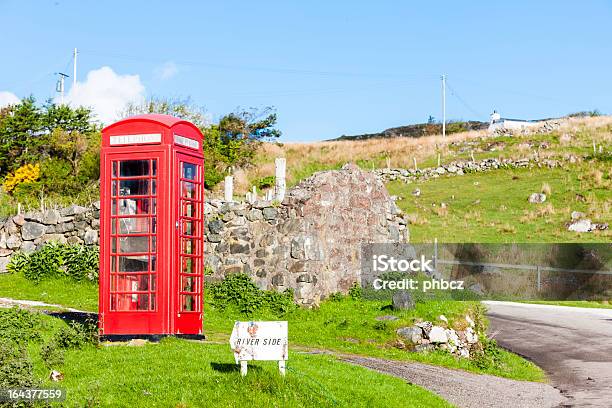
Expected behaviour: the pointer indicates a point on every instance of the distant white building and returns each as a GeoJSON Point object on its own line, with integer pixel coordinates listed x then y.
{"type": "Point", "coordinates": [497, 122]}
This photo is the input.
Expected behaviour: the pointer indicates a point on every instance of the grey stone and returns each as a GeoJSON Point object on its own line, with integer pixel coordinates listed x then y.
{"type": "Point", "coordinates": [576, 215]}
{"type": "Point", "coordinates": [402, 300]}
{"type": "Point", "coordinates": [278, 280]}
{"type": "Point", "coordinates": [412, 334]}
{"type": "Point", "coordinates": [72, 210]}
{"type": "Point", "coordinates": [95, 223]}
{"type": "Point", "coordinates": [304, 278]}
{"type": "Point", "coordinates": [239, 248]}
{"type": "Point", "coordinates": [583, 225]}
{"type": "Point", "coordinates": [254, 215]}
{"type": "Point", "coordinates": [90, 237]}
{"type": "Point", "coordinates": [11, 226]}
{"type": "Point", "coordinates": [28, 246]}
{"type": "Point", "coordinates": [51, 217]}
{"type": "Point", "coordinates": [64, 227]}
{"type": "Point", "coordinates": [3, 262]}
{"type": "Point", "coordinates": [386, 318]}
{"type": "Point", "coordinates": [215, 226]}
{"type": "Point", "coordinates": [74, 240]}
{"type": "Point", "coordinates": [60, 238]}
{"type": "Point", "coordinates": [437, 335]}
{"type": "Point", "coordinates": [5, 252]}
{"type": "Point", "coordinates": [476, 288]}
{"type": "Point", "coordinates": [33, 216]}
{"type": "Point", "coordinates": [13, 242]}
{"type": "Point", "coordinates": [19, 219]}
{"type": "Point", "coordinates": [270, 213]}
{"type": "Point", "coordinates": [537, 198]}
{"type": "Point", "coordinates": [213, 238]}
{"type": "Point", "coordinates": [32, 230]}
{"type": "Point", "coordinates": [96, 205]}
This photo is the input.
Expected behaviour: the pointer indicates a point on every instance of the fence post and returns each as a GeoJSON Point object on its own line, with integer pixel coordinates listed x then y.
{"type": "Point", "coordinates": [280, 165]}
{"type": "Point", "coordinates": [435, 257]}
{"type": "Point", "coordinates": [539, 278]}
{"type": "Point", "coordinates": [229, 188]}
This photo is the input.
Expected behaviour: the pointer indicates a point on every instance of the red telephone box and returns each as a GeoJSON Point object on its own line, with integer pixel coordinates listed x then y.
{"type": "Point", "coordinates": [151, 225]}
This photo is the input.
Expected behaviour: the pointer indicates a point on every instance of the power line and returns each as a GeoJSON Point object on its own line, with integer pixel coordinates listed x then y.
{"type": "Point", "coordinates": [464, 103]}
{"type": "Point", "coordinates": [293, 71]}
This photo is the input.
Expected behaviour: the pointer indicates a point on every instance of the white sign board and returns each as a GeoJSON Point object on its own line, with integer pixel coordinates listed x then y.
{"type": "Point", "coordinates": [185, 141]}
{"type": "Point", "coordinates": [260, 341]}
{"type": "Point", "coordinates": [135, 139]}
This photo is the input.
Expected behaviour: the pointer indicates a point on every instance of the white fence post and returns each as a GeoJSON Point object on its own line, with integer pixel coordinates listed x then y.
{"type": "Point", "coordinates": [229, 188]}
{"type": "Point", "coordinates": [280, 165]}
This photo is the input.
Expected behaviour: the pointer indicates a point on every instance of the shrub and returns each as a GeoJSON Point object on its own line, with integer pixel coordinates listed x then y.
{"type": "Point", "coordinates": [24, 174]}
{"type": "Point", "coordinates": [16, 370]}
{"type": "Point", "coordinates": [266, 182]}
{"type": "Point", "coordinates": [57, 260]}
{"type": "Point", "coordinates": [240, 291]}
{"type": "Point", "coordinates": [355, 292]}
{"type": "Point", "coordinates": [18, 325]}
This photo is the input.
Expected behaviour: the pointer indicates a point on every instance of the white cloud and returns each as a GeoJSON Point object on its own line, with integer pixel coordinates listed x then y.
{"type": "Point", "coordinates": [167, 70]}
{"type": "Point", "coordinates": [8, 98]}
{"type": "Point", "coordinates": [106, 93]}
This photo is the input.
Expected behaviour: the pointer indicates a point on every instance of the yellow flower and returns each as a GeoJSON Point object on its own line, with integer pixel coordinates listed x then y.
{"type": "Point", "coordinates": [25, 174]}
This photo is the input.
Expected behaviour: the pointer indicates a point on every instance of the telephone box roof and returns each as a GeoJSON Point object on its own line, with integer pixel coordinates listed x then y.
{"type": "Point", "coordinates": [165, 120]}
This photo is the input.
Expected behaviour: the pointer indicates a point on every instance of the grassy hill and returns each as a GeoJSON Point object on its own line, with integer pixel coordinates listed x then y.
{"type": "Point", "coordinates": [485, 207]}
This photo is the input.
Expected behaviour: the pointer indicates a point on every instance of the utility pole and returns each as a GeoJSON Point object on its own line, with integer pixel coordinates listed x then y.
{"type": "Point", "coordinates": [59, 87]}
{"type": "Point", "coordinates": [74, 77]}
{"type": "Point", "coordinates": [444, 105]}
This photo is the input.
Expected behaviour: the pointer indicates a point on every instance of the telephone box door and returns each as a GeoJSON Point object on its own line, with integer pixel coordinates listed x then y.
{"type": "Point", "coordinates": [189, 175]}
{"type": "Point", "coordinates": [132, 250]}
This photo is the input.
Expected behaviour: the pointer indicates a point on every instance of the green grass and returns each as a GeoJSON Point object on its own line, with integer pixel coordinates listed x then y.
{"type": "Point", "coordinates": [345, 326]}
{"type": "Point", "coordinates": [493, 207]}
{"type": "Point", "coordinates": [350, 327]}
{"type": "Point", "coordinates": [182, 373]}
{"type": "Point", "coordinates": [573, 303]}
{"type": "Point", "coordinates": [188, 374]}
{"type": "Point", "coordinates": [64, 292]}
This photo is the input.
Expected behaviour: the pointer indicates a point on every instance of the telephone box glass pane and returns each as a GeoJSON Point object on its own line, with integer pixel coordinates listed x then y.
{"type": "Point", "coordinates": [188, 303]}
{"type": "Point", "coordinates": [133, 225]}
{"type": "Point", "coordinates": [189, 190]}
{"type": "Point", "coordinates": [189, 171]}
{"type": "Point", "coordinates": [134, 244]}
{"type": "Point", "coordinates": [137, 263]}
{"type": "Point", "coordinates": [188, 265]}
{"type": "Point", "coordinates": [133, 168]}
{"type": "Point", "coordinates": [134, 187]}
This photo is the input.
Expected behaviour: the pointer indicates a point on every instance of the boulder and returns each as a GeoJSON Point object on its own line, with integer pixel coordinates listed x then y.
{"type": "Point", "coordinates": [412, 334]}
{"type": "Point", "coordinates": [576, 215]}
{"type": "Point", "coordinates": [583, 225]}
{"type": "Point", "coordinates": [537, 198]}
{"type": "Point", "coordinates": [402, 300]}
{"type": "Point", "coordinates": [438, 335]}
{"type": "Point", "coordinates": [386, 318]}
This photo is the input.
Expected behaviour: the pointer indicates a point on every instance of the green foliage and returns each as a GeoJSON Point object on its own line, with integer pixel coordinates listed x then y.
{"type": "Point", "coordinates": [18, 325]}
{"type": "Point", "coordinates": [240, 291]}
{"type": "Point", "coordinates": [489, 356]}
{"type": "Point", "coordinates": [355, 292]}
{"type": "Point", "coordinates": [57, 260]}
{"type": "Point", "coordinates": [16, 370]}
{"type": "Point", "coordinates": [265, 182]}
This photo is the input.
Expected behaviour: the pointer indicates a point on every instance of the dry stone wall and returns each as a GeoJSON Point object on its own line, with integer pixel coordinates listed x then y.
{"type": "Point", "coordinates": [27, 232]}
{"type": "Point", "coordinates": [310, 242]}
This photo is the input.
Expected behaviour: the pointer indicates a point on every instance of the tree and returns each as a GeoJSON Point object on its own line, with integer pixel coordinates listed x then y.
{"type": "Point", "coordinates": [232, 142]}
{"type": "Point", "coordinates": [20, 134]}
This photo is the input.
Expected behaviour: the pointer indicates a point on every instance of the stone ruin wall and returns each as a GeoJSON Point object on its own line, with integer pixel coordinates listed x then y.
{"type": "Point", "coordinates": [311, 242]}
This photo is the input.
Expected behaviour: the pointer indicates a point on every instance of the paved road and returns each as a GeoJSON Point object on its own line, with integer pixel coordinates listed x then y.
{"type": "Point", "coordinates": [464, 389]}
{"type": "Point", "coordinates": [573, 345]}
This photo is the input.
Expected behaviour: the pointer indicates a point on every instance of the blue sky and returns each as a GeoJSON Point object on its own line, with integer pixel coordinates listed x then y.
{"type": "Point", "coordinates": [329, 68]}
